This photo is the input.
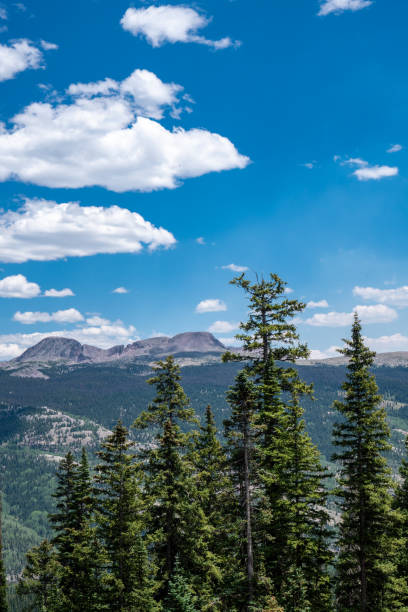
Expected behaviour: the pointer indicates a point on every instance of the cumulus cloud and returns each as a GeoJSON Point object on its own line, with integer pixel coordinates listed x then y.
{"type": "Point", "coordinates": [223, 327]}
{"type": "Point", "coordinates": [235, 268]}
{"type": "Point", "coordinates": [120, 290]}
{"type": "Point", "coordinates": [367, 172]}
{"type": "Point", "coordinates": [375, 173]}
{"type": "Point", "coordinates": [368, 314]}
{"type": "Point", "coordinates": [71, 315]}
{"type": "Point", "coordinates": [42, 230]}
{"type": "Point", "coordinates": [319, 304]}
{"type": "Point", "coordinates": [396, 297]}
{"type": "Point", "coordinates": [318, 354]}
{"type": "Point", "coordinates": [58, 293]}
{"type": "Point", "coordinates": [170, 24]}
{"type": "Point", "coordinates": [17, 286]}
{"type": "Point", "coordinates": [212, 305]}
{"type": "Point", "coordinates": [385, 344]}
{"type": "Point", "coordinates": [106, 134]}
{"type": "Point", "coordinates": [19, 55]}
{"type": "Point", "coordinates": [104, 335]}
{"type": "Point", "coordinates": [396, 148]}
{"type": "Point", "coordinates": [339, 6]}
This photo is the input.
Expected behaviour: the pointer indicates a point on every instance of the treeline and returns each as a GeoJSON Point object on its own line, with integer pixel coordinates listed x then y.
{"type": "Point", "coordinates": [187, 523]}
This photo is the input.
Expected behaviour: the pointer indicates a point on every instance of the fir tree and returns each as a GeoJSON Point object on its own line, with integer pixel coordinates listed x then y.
{"type": "Point", "coordinates": [76, 544]}
{"type": "Point", "coordinates": [3, 582]}
{"type": "Point", "coordinates": [240, 434]}
{"type": "Point", "coordinates": [175, 522]}
{"type": "Point", "coordinates": [367, 543]}
{"type": "Point", "coordinates": [180, 597]}
{"type": "Point", "coordinates": [298, 525]}
{"type": "Point", "coordinates": [127, 580]}
{"type": "Point", "coordinates": [401, 505]}
{"type": "Point", "coordinates": [40, 580]}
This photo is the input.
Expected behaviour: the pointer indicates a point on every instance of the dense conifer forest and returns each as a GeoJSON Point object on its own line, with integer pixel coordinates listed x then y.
{"type": "Point", "coordinates": [235, 515]}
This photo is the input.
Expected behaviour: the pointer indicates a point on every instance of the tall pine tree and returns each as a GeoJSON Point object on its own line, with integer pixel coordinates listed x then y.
{"type": "Point", "coordinates": [175, 521]}
{"type": "Point", "coordinates": [127, 581]}
{"type": "Point", "coordinates": [240, 433]}
{"type": "Point", "coordinates": [367, 544]}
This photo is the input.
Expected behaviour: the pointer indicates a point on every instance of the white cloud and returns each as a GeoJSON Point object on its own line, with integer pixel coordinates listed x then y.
{"type": "Point", "coordinates": [120, 290]}
{"type": "Point", "coordinates": [200, 240]}
{"type": "Point", "coordinates": [395, 297]}
{"type": "Point", "coordinates": [385, 344]}
{"type": "Point", "coordinates": [395, 148]}
{"type": "Point", "coordinates": [223, 327]}
{"type": "Point", "coordinates": [230, 341]}
{"type": "Point", "coordinates": [235, 268]}
{"type": "Point", "coordinates": [71, 315]}
{"type": "Point", "coordinates": [366, 172]}
{"type": "Point", "coordinates": [368, 314]}
{"type": "Point", "coordinates": [17, 286]}
{"type": "Point", "coordinates": [170, 24]}
{"type": "Point", "coordinates": [43, 231]}
{"type": "Point", "coordinates": [3, 13]}
{"type": "Point", "coordinates": [320, 304]}
{"type": "Point", "coordinates": [105, 336]}
{"type": "Point", "coordinates": [375, 173]}
{"type": "Point", "coordinates": [338, 6]}
{"type": "Point", "coordinates": [317, 354]}
{"type": "Point", "coordinates": [309, 165]}
{"type": "Point", "coordinates": [212, 305]}
{"type": "Point", "coordinates": [98, 321]}
{"type": "Point", "coordinates": [105, 136]}
{"type": "Point", "coordinates": [288, 290]}
{"type": "Point", "coordinates": [48, 46]}
{"type": "Point", "coordinates": [17, 56]}
{"type": "Point", "coordinates": [58, 293]}
{"type": "Point", "coordinates": [148, 95]}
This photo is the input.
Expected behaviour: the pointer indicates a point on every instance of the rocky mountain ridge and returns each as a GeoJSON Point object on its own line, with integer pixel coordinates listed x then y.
{"type": "Point", "coordinates": [70, 352]}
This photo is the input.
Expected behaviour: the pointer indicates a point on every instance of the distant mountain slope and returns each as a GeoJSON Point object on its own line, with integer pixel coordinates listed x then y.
{"type": "Point", "coordinates": [71, 352]}
{"type": "Point", "coordinates": [391, 360]}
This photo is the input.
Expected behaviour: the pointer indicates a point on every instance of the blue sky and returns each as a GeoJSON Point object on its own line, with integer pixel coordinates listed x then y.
{"type": "Point", "coordinates": [145, 147]}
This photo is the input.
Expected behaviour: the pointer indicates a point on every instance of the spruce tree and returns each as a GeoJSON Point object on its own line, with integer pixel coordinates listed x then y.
{"type": "Point", "coordinates": [180, 596]}
{"type": "Point", "coordinates": [298, 525]}
{"type": "Point", "coordinates": [40, 580]}
{"type": "Point", "coordinates": [3, 582]}
{"type": "Point", "coordinates": [127, 580]}
{"type": "Point", "coordinates": [76, 544]}
{"type": "Point", "coordinates": [175, 522]}
{"type": "Point", "coordinates": [367, 544]}
{"type": "Point", "coordinates": [401, 505]}
{"type": "Point", "coordinates": [240, 432]}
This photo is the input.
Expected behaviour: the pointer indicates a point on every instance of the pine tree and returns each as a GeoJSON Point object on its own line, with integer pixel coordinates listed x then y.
{"type": "Point", "coordinates": [76, 544]}
{"type": "Point", "coordinates": [175, 523]}
{"type": "Point", "coordinates": [3, 582]}
{"type": "Point", "coordinates": [401, 505]}
{"type": "Point", "coordinates": [180, 597]}
{"type": "Point", "coordinates": [298, 525]}
{"type": "Point", "coordinates": [40, 579]}
{"type": "Point", "coordinates": [240, 433]}
{"type": "Point", "coordinates": [367, 543]}
{"type": "Point", "coordinates": [127, 580]}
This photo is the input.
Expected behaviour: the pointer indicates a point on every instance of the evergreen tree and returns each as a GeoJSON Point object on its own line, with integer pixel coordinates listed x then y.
{"type": "Point", "coordinates": [401, 505]}
{"type": "Point", "coordinates": [298, 525]}
{"type": "Point", "coordinates": [367, 543]}
{"type": "Point", "coordinates": [40, 580]}
{"type": "Point", "coordinates": [127, 579]}
{"type": "Point", "coordinates": [180, 597]}
{"type": "Point", "coordinates": [240, 433]}
{"type": "Point", "coordinates": [76, 544]}
{"type": "Point", "coordinates": [3, 582]}
{"type": "Point", "coordinates": [175, 522]}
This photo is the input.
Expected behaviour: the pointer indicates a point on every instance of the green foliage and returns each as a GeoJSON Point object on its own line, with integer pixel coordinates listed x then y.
{"type": "Point", "coordinates": [367, 541]}
{"type": "Point", "coordinates": [40, 579]}
{"type": "Point", "coordinates": [180, 597]}
{"type": "Point", "coordinates": [3, 583]}
{"type": "Point", "coordinates": [175, 522]}
{"type": "Point", "coordinates": [127, 577]}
